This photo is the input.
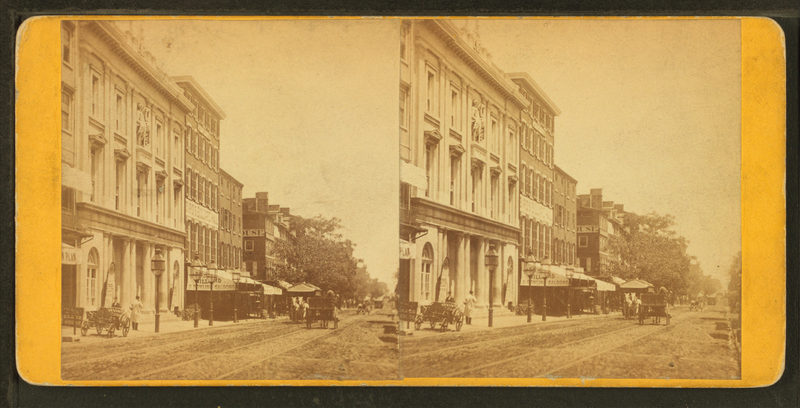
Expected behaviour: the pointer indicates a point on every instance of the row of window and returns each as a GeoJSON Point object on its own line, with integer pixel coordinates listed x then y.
{"type": "Point", "coordinates": [583, 242]}
{"type": "Point", "coordinates": [562, 217]}
{"type": "Point", "coordinates": [201, 190]}
{"type": "Point", "coordinates": [202, 148]}
{"type": "Point", "coordinates": [536, 144]}
{"type": "Point", "coordinates": [234, 192]}
{"type": "Point", "coordinates": [202, 241]}
{"type": "Point", "coordinates": [230, 256]}
{"type": "Point", "coordinates": [230, 222]}
{"type": "Point", "coordinates": [539, 113]}
{"type": "Point", "coordinates": [536, 186]}
{"type": "Point", "coordinates": [536, 238]}
{"type": "Point", "coordinates": [203, 116]}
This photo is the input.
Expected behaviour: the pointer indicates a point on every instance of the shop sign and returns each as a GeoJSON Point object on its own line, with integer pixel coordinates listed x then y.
{"type": "Point", "coordinates": [588, 228]}
{"type": "Point", "coordinates": [71, 316]}
{"type": "Point", "coordinates": [532, 209]}
{"type": "Point", "coordinates": [407, 250]}
{"type": "Point", "coordinates": [70, 256]}
{"type": "Point", "coordinates": [199, 213]}
{"type": "Point", "coordinates": [254, 232]}
{"type": "Point", "coordinates": [205, 284]}
{"type": "Point", "coordinates": [559, 281]}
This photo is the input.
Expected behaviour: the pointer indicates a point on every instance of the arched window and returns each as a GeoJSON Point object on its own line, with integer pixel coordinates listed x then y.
{"type": "Point", "coordinates": [91, 277]}
{"type": "Point", "coordinates": [425, 281]}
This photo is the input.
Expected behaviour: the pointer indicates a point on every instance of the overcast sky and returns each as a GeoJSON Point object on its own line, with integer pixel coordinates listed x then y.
{"type": "Point", "coordinates": [311, 115]}
{"type": "Point", "coordinates": [651, 114]}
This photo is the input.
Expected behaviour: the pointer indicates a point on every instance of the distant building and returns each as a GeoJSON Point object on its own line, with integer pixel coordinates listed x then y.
{"type": "Point", "coordinates": [230, 222]}
{"type": "Point", "coordinates": [264, 225]}
{"type": "Point", "coordinates": [598, 222]}
{"type": "Point", "coordinates": [565, 208]}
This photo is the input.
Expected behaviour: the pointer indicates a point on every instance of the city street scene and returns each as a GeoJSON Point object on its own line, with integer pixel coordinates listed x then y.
{"type": "Point", "coordinates": [228, 200]}
{"type": "Point", "coordinates": [570, 199]}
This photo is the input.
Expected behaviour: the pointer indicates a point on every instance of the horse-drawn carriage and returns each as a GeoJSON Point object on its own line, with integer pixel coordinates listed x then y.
{"type": "Point", "coordinates": [442, 313]}
{"type": "Point", "coordinates": [322, 310]}
{"type": "Point", "coordinates": [654, 306]}
{"type": "Point", "coordinates": [107, 318]}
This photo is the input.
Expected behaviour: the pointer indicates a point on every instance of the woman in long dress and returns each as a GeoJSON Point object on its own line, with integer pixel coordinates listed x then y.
{"type": "Point", "coordinates": [136, 312]}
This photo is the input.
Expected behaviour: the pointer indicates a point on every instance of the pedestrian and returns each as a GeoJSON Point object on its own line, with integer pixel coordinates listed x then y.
{"type": "Point", "coordinates": [449, 298]}
{"type": "Point", "coordinates": [637, 305]}
{"type": "Point", "coordinates": [136, 311]}
{"type": "Point", "coordinates": [469, 305]}
{"type": "Point", "coordinates": [115, 303]}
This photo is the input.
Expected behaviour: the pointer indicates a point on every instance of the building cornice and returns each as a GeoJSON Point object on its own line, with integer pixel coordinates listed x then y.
{"type": "Point", "coordinates": [111, 35]}
{"type": "Point", "coordinates": [450, 35]}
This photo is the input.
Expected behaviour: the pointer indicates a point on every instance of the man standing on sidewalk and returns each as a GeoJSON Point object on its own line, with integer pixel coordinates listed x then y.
{"type": "Point", "coordinates": [469, 305]}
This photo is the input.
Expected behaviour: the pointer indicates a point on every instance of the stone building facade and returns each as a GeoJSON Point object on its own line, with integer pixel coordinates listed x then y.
{"type": "Point", "coordinates": [122, 170]}
{"type": "Point", "coordinates": [564, 218]}
{"type": "Point", "coordinates": [230, 221]}
{"type": "Point", "coordinates": [202, 140]}
{"type": "Point", "coordinates": [459, 126]}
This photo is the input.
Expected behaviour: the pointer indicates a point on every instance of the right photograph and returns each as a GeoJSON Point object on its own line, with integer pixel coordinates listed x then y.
{"type": "Point", "coordinates": [570, 198]}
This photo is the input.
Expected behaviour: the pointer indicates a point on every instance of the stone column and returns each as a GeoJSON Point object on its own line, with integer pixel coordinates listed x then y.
{"type": "Point", "coordinates": [497, 280]}
{"type": "Point", "coordinates": [148, 284]}
{"type": "Point", "coordinates": [125, 273]}
{"type": "Point", "coordinates": [482, 282]}
{"type": "Point", "coordinates": [462, 270]}
{"type": "Point", "coordinates": [163, 282]}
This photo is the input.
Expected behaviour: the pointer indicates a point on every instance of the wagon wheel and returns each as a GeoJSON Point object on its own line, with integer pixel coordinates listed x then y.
{"type": "Point", "coordinates": [459, 323]}
{"type": "Point", "coordinates": [84, 328]}
{"type": "Point", "coordinates": [417, 323]}
{"type": "Point", "coordinates": [126, 326]}
{"type": "Point", "coordinates": [99, 328]}
{"type": "Point", "coordinates": [444, 325]}
{"type": "Point", "coordinates": [111, 329]}
{"type": "Point", "coordinates": [433, 324]}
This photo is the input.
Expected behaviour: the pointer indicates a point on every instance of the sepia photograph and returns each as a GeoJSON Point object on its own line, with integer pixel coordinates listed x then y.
{"type": "Point", "coordinates": [570, 198]}
{"type": "Point", "coordinates": [229, 200]}
{"type": "Point", "coordinates": [567, 194]}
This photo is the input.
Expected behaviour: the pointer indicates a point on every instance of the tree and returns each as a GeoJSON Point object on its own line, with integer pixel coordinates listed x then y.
{"type": "Point", "coordinates": [648, 249]}
{"type": "Point", "coordinates": [317, 253]}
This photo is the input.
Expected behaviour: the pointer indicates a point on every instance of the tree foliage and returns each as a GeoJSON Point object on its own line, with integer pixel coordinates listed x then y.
{"type": "Point", "coordinates": [649, 250]}
{"type": "Point", "coordinates": [317, 253]}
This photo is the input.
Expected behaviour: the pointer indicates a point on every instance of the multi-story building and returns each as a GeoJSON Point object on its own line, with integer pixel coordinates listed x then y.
{"type": "Point", "coordinates": [258, 231]}
{"type": "Point", "coordinates": [122, 169]}
{"type": "Point", "coordinates": [459, 124]}
{"type": "Point", "coordinates": [536, 173]}
{"type": "Point", "coordinates": [230, 222]}
{"type": "Point", "coordinates": [598, 222]}
{"type": "Point", "coordinates": [202, 135]}
{"type": "Point", "coordinates": [564, 218]}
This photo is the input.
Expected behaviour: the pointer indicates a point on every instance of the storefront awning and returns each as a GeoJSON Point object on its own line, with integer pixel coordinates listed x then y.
{"type": "Point", "coordinates": [223, 281]}
{"type": "Point", "coordinates": [270, 290]}
{"type": "Point", "coordinates": [605, 286]}
{"type": "Point", "coordinates": [413, 175]}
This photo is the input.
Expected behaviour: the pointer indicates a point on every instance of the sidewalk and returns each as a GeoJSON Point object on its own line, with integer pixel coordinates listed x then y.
{"type": "Point", "coordinates": [502, 321]}
{"type": "Point", "coordinates": [148, 328]}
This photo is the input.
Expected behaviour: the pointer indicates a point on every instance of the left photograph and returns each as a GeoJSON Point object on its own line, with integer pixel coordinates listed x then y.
{"type": "Point", "coordinates": [229, 200]}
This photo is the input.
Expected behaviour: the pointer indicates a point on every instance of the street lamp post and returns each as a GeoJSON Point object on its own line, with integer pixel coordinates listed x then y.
{"type": "Point", "coordinates": [544, 273]}
{"type": "Point", "coordinates": [237, 277]}
{"type": "Point", "coordinates": [157, 267]}
{"type": "Point", "coordinates": [196, 273]}
{"type": "Point", "coordinates": [212, 269]}
{"type": "Point", "coordinates": [570, 273]}
{"type": "Point", "coordinates": [491, 264]}
{"type": "Point", "coordinates": [530, 269]}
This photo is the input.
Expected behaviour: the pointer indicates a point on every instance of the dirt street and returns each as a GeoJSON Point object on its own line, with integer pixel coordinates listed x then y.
{"type": "Point", "coordinates": [360, 349]}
